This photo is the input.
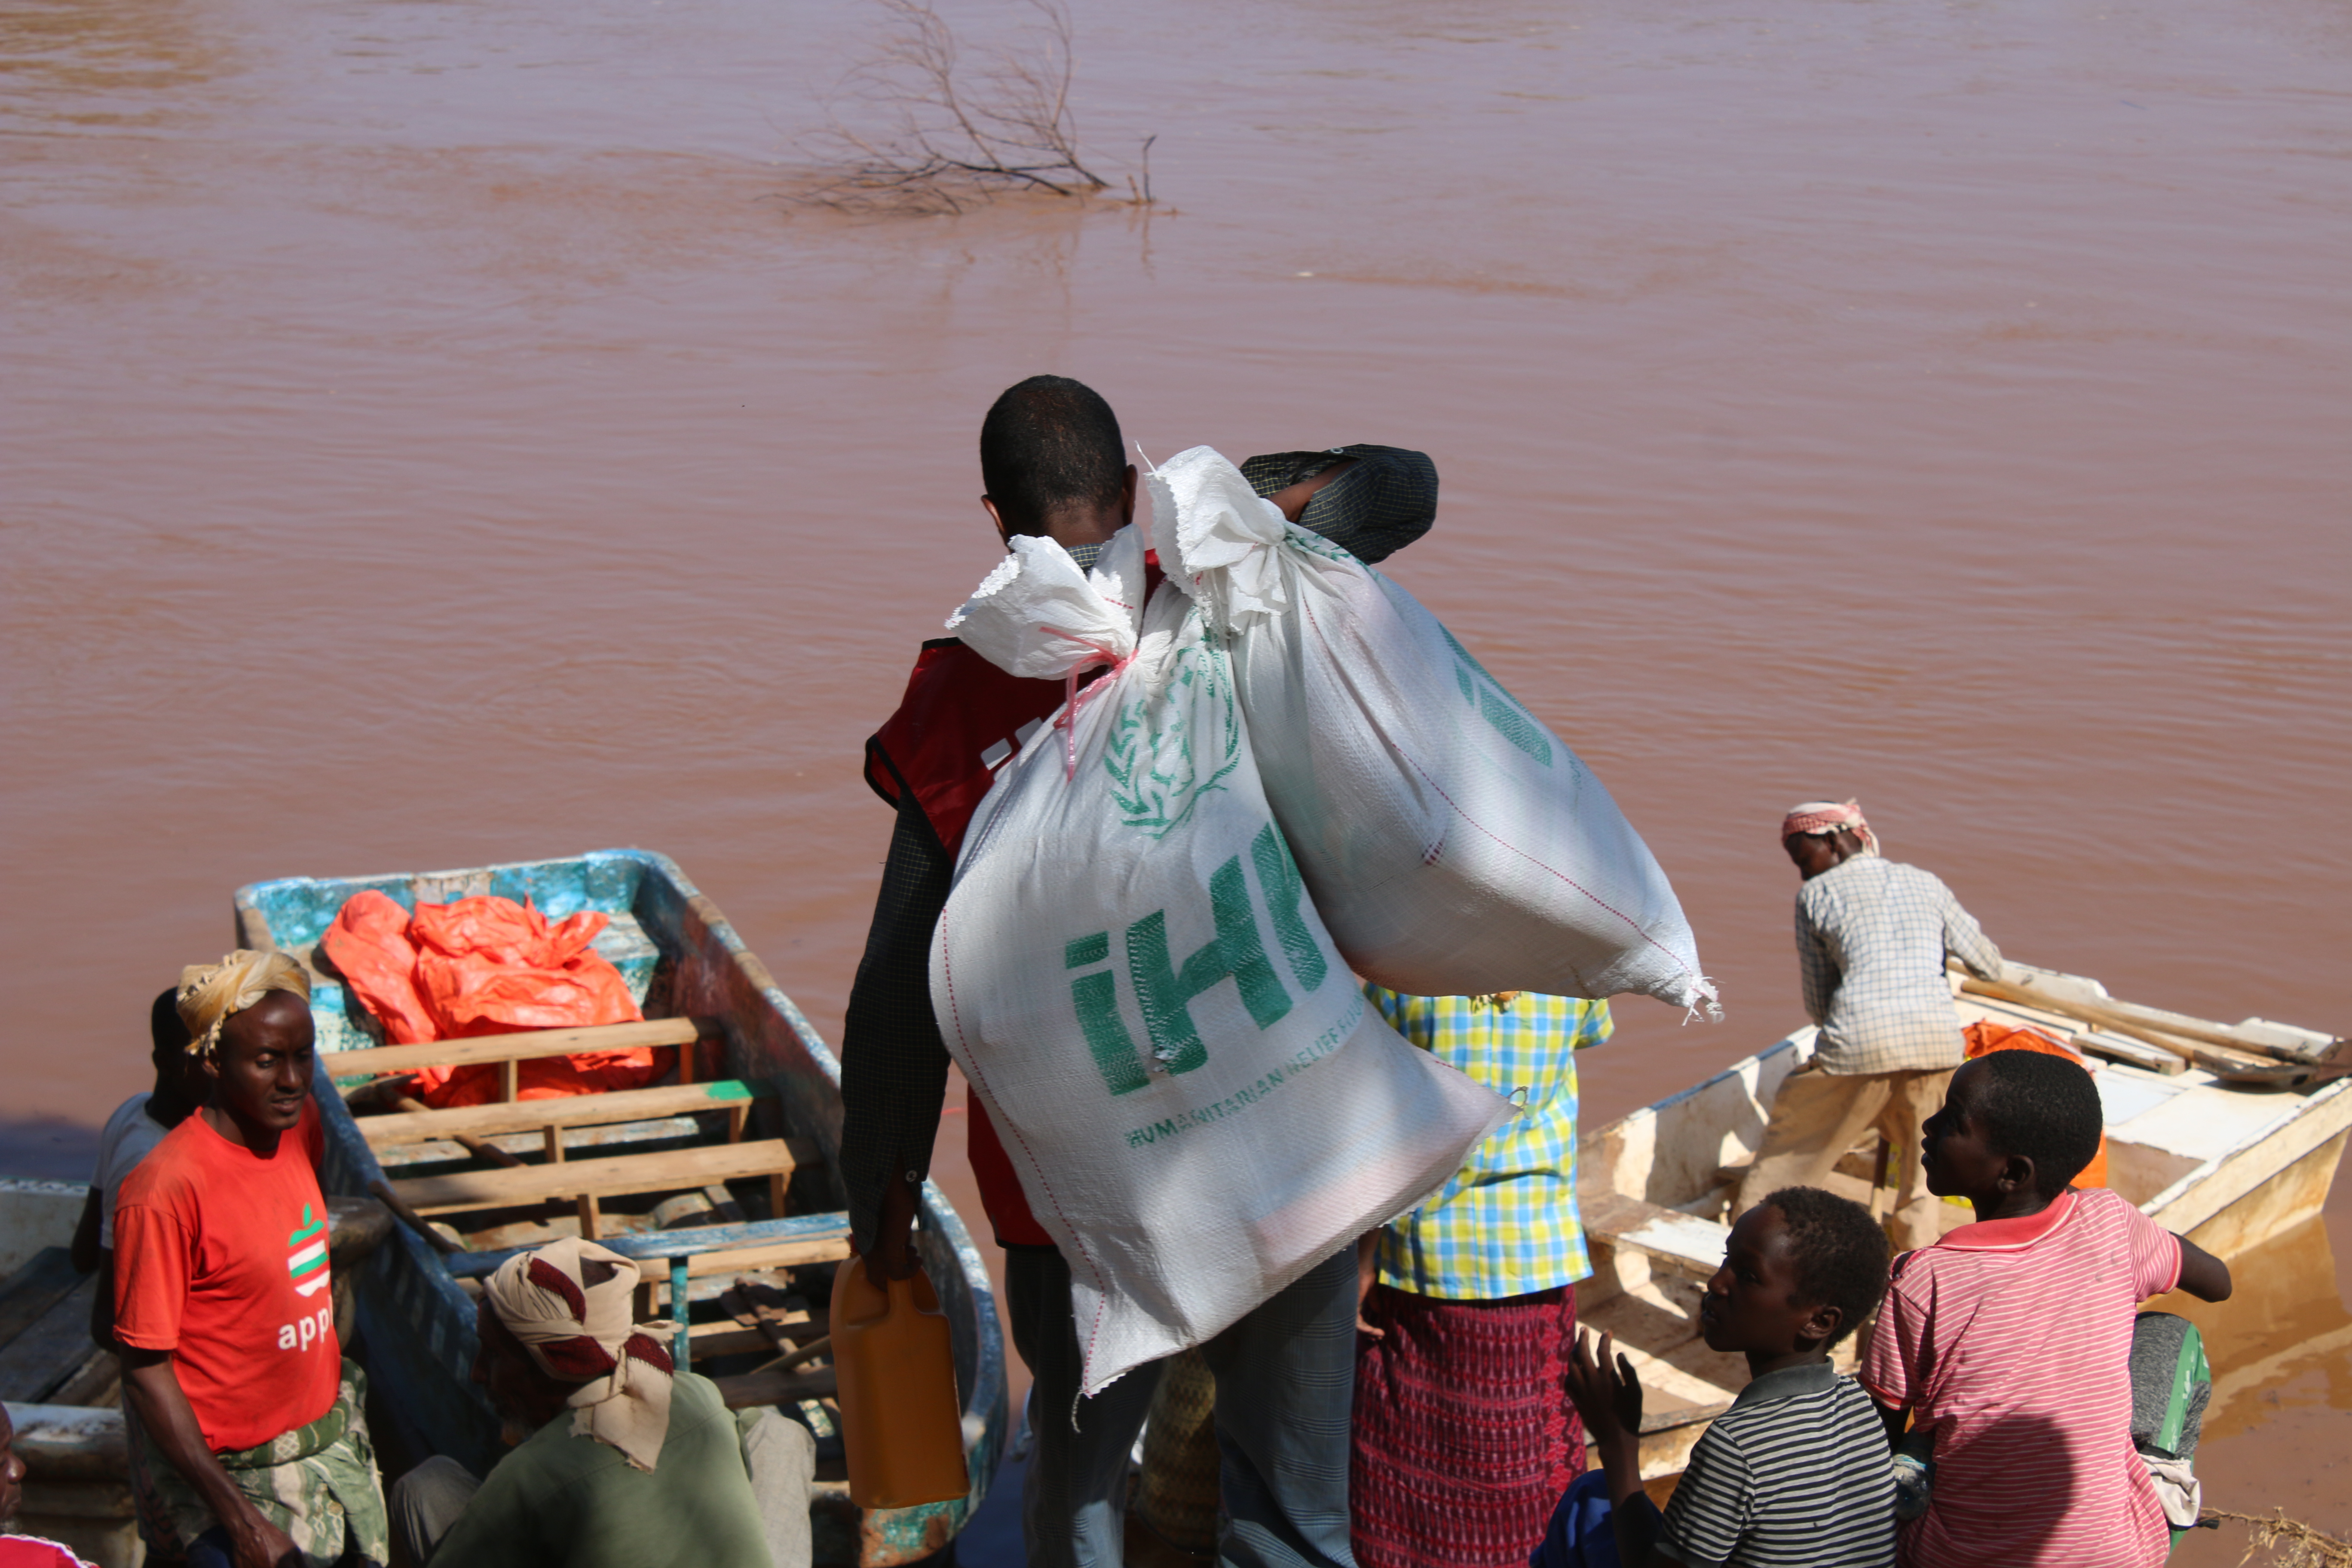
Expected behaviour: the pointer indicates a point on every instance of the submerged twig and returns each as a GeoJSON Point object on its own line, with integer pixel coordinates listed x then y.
{"type": "Point", "coordinates": [928, 136]}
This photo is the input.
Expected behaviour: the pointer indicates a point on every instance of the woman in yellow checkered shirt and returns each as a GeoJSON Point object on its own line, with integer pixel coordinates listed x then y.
{"type": "Point", "coordinates": [1463, 1436]}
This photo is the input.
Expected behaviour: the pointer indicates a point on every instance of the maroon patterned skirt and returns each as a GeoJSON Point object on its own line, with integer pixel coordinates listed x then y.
{"type": "Point", "coordinates": [1464, 1438]}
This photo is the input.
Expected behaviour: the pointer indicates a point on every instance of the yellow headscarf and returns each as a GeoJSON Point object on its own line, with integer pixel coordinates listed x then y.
{"type": "Point", "coordinates": [212, 994]}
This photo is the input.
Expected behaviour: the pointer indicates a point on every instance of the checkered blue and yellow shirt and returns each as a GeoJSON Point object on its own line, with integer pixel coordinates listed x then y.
{"type": "Point", "coordinates": [1506, 1223]}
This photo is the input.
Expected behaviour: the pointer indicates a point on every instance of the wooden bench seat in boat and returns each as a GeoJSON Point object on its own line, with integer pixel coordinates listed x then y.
{"type": "Point", "coordinates": [730, 1095]}
{"type": "Point", "coordinates": [508, 1050]}
{"type": "Point", "coordinates": [707, 1249]}
{"type": "Point", "coordinates": [670, 1171]}
{"type": "Point", "coordinates": [1690, 1244]}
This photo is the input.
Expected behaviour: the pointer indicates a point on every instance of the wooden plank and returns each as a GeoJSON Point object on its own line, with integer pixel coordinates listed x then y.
{"type": "Point", "coordinates": [776, 1254]}
{"type": "Point", "coordinates": [1689, 1243]}
{"type": "Point", "coordinates": [40, 1284]}
{"type": "Point", "coordinates": [50, 1350]}
{"type": "Point", "coordinates": [730, 1095]}
{"type": "Point", "coordinates": [677, 1170]}
{"type": "Point", "coordinates": [660, 1246]}
{"type": "Point", "coordinates": [762, 1388]}
{"type": "Point", "coordinates": [520, 1046]}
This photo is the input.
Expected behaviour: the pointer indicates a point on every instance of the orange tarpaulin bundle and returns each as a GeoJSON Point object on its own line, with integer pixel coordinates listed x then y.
{"type": "Point", "coordinates": [1984, 1037]}
{"type": "Point", "coordinates": [488, 966]}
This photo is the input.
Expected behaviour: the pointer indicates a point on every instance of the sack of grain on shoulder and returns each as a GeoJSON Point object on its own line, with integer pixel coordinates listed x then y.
{"type": "Point", "coordinates": [1199, 1102]}
{"type": "Point", "coordinates": [1453, 843]}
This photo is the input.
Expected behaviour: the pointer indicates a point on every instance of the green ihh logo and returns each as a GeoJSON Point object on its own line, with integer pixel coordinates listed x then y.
{"type": "Point", "coordinates": [1164, 991]}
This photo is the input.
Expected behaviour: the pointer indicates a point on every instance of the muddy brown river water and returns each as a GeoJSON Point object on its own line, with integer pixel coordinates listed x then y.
{"type": "Point", "coordinates": [432, 434]}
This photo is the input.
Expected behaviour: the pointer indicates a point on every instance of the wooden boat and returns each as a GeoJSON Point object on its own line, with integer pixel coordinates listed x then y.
{"type": "Point", "coordinates": [2228, 1164]}
{"type": "Point", "coordinates": [56, 1383]}
{"type": "Point", "coordinates": [721, 1182]}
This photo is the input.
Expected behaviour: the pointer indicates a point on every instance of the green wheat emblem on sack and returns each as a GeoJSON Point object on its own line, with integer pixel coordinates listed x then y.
{"type": "Point", "coordinates": [1158, 767]}
{"type": "Point", "coordinates": [1496, 706]}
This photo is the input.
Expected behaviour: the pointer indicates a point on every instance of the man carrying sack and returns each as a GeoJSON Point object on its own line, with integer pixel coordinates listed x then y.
{"type": "Point", "coordinates": [1872, 937]}
{"type": "Point", "coordinates": [1054, 465]}
{"type": "Point", "coordinates": [249, 1447]}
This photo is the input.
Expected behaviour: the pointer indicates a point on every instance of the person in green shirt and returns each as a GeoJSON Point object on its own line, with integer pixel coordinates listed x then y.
{"type": "Point", "coordinates": [619, 1461]}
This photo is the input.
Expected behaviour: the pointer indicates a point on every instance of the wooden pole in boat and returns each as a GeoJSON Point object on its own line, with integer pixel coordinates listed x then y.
{"type": "Point", "coordinates": [410, 1217]}
{"type": "Point", "coordinates": [2123, 1023]}
{"type": "Point", "coordinates": [480, 1147]}
{"type": "Point", "coordinates": [2235, 1064]}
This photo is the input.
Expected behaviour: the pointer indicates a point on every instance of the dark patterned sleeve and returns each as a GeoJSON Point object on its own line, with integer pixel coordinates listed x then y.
{"type": "Point", "coordinates": [1374, 509]}
{"type": "Point", "coordinates": [894, 1067]}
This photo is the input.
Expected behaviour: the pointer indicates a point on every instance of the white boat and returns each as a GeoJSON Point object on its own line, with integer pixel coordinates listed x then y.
{"type": "Point", "coordinates": [2228, 1164]}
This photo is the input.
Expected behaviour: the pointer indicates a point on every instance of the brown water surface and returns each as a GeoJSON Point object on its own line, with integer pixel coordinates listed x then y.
{"type": "Point", "coordinates": [430, 438]}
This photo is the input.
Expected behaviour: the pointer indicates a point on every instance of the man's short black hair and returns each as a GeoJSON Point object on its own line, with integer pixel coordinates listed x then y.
{"type": "Point", "coordinates": [1840, 1253]}
{"type": "Point", "coordinates": [2043, 1107]}
{"type": "Point", "coordinates": [163, 1027]}
{"type": "Point", "coordinates": [1047, 445]}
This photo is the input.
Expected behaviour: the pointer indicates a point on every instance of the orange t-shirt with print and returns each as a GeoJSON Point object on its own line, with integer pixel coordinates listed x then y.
{"type": "Point", "coordinates": [220, 1258]}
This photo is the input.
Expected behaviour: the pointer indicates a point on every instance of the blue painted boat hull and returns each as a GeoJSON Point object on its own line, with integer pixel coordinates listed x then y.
{"type": "Point", "coordinates": [416, 1325]}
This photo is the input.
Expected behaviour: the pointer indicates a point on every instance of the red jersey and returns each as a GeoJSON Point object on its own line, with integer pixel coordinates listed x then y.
{"type": "Point", "coordinates": [32, 1552]}
{"type": "Point", "coordinates": [220, 1258]}
{"type": "Point", "coordinates": [961, 719]}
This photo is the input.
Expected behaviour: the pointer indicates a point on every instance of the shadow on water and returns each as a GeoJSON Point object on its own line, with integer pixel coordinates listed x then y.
{"type": "Point", "coordinates": [47, 1147]}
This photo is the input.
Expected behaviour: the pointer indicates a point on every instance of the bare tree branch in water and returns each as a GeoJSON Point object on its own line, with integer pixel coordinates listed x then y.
{"type": "Point", "coordinates": [925, 135]}
{"type": "Point", "coordinates": [2291, 1542]}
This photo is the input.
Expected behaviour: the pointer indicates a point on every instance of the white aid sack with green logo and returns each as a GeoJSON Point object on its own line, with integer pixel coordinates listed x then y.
{"type": "Point", "coordinates": [1453, 845]}
{"type": "Point", "coordinates": [1199, 1102]}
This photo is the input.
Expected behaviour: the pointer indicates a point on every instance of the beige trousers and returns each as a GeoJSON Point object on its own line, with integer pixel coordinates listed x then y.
{"type": "Point", "coordinates": [1818, 1116]}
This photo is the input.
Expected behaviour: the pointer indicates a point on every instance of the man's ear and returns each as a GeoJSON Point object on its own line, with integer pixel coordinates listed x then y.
{"type": "Point", "coordinates": [997, 518]}
{"type": "Point", "coordinates": [1126, 496]}
{"type": "Point", "coordinates": [2017, 1174]}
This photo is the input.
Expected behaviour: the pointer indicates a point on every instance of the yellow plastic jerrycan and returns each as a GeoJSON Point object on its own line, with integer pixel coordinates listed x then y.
{"type": "Point", "coordinates": [894, 1361]}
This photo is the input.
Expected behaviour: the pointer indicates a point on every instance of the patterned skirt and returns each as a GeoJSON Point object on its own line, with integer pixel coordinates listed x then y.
{"type": "Point", "coordinates": [1464, 1438]}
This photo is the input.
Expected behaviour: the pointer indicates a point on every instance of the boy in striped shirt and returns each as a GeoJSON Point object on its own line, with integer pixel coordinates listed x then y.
{"type": "Point", "coordinates": [1795, 1474]}
{"type": "Point", "coordinates": [2008, 1343]}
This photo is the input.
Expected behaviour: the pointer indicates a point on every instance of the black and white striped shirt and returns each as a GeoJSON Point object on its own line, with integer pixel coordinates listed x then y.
{"type": "Point", "coordinates": [1794, 1475]}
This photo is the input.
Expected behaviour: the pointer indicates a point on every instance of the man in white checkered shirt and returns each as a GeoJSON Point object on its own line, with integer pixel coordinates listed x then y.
{"type": "Point", "coordinates": [1871, 938]}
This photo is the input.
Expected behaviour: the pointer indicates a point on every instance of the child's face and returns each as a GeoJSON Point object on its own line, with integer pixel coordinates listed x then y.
{"type": "Point", "coordinates": [1959, 1160]}
{"type": "Point", "coordinates": [1753, 1302]}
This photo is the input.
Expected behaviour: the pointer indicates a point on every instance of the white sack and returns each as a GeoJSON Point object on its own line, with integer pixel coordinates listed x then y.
{"type": "Point", "coordinates": [1199, 1102]}
{"type": "Point", "coordinates": [1453, 843]}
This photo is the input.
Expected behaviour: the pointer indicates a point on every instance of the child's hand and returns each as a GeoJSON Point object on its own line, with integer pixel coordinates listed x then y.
{"type": "Point", "coordinates": [1606, 1391]}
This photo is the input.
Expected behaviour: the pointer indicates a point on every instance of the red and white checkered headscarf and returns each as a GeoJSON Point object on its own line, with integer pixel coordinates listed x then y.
{"type": "Point", "coordinates": [586, 1334]}
{"type": "Point", "coordinates": [1828, 816]}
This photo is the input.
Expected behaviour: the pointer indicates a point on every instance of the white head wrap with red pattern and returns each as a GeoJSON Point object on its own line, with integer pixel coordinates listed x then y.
{"type": "Point", "coordinates": [584, 1333]}
{"type": "Point", "coordinates": [1828, 816]}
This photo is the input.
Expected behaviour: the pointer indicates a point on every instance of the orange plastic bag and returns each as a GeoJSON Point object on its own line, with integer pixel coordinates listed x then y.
{"type": "Point", "coordinates": [1984, 1037]}
{"type": "Point", "coordinates": [490, 966]}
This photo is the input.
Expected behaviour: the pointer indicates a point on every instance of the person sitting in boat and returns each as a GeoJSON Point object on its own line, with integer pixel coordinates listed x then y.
{"type": "Point", "coordinates": [1054, 465]}
{"type": "Point", "coordinates": [1473, 1320]}
{"type": "Point", "coordinates": [1872, 937]}
{"type": "Point", "coordinates": [620, 1461]}
{"type": "Point", "coordinates": [252, 1450]}
{"type": "Point", "coordinates": [1795, 1474]}
{"type": "Point", "coordinates": [131, 1134]}
{"type": "Point", "coordinates": [2008, 1346]}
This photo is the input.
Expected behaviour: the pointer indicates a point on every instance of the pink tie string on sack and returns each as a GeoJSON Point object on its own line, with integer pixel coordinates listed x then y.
{"type": "Point", "coordinates": [1072, 697]}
